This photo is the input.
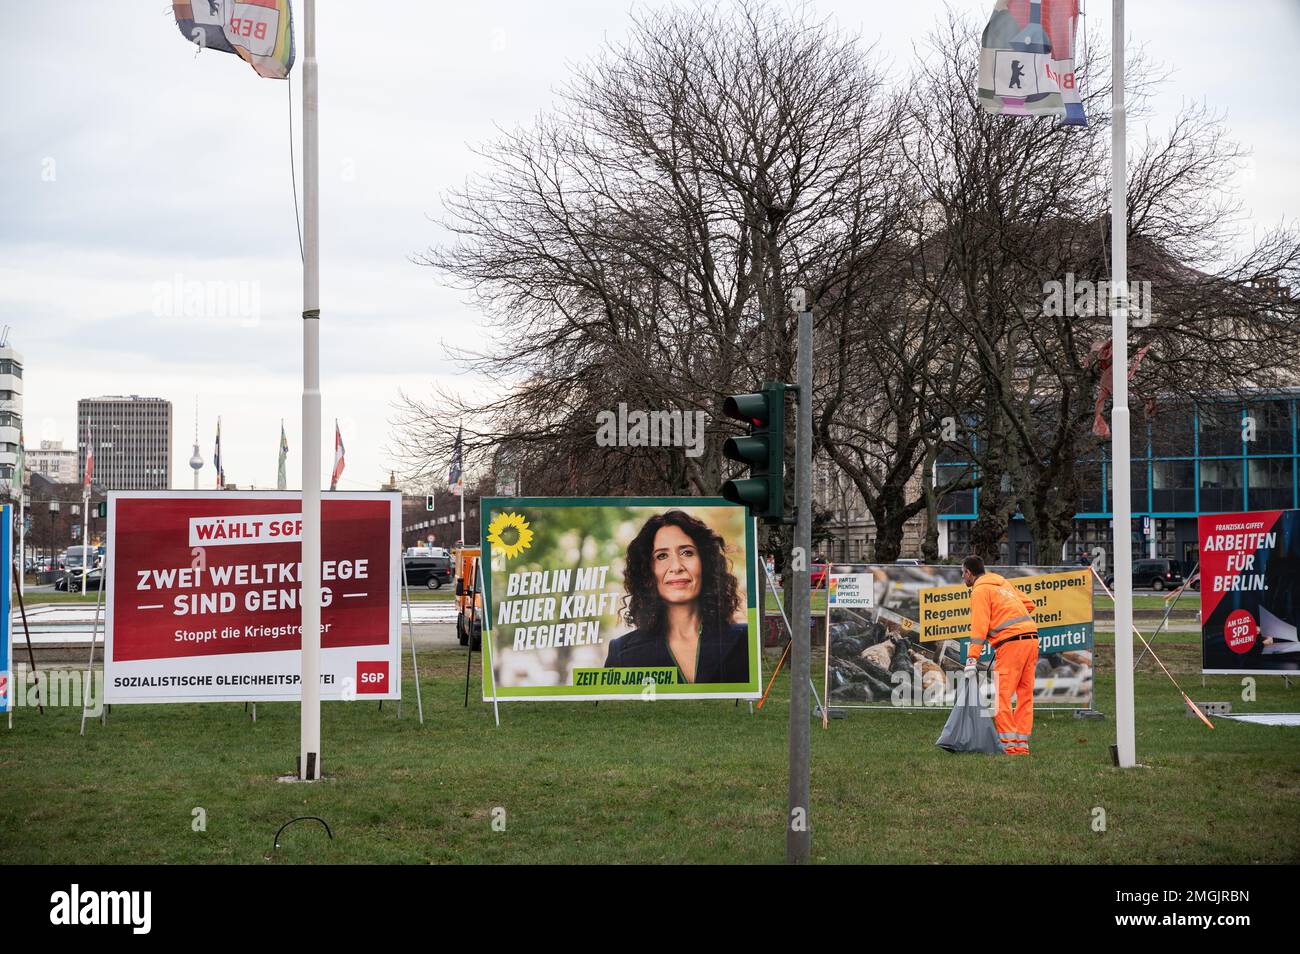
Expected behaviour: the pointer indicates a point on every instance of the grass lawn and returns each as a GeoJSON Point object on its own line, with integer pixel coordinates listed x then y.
{"type": "Point", "coordinates": [1189, 602]}
{"type": "Point", "coordinates": [646, 782]}
{"type": "Point", "coordinates": [37, 597]}
{"type": "Point", "coordinates": [426, 595]}
{"type": "Point", "coordinates": [818, 602]}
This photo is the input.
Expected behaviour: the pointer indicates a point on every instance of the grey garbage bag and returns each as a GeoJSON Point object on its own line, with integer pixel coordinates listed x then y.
{"type": "Point", "coordinates": [969, 727]}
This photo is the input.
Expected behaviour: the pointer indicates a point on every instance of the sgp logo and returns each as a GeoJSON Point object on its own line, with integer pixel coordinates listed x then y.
{"type": "Point", "coordinates": [77, 907]}
{"type": "Point", "coordinates": [372, 677]}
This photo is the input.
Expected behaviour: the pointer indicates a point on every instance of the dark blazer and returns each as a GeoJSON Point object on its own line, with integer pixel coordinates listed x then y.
{"type": "Point", "coordinates": [724, 656]}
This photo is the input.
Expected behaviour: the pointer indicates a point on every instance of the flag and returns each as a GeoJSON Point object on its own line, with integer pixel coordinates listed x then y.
{"type": "Point", "coordinates": [280, 481]}
{"type": "Point", "coordinates": [1102, 355]}
{"type": "Point", "coordinates": [1027, 60]}
{"type": "Point", "coordinates": [258, 31]}
{"type": "Point", "coordinates": [90, 465]}
{"type": "Point", "coordinates": [454, 475]}
{"type": "Point", "coordinates": [216, 459]}
{"type": "Point", "coordinates": [338, 456]}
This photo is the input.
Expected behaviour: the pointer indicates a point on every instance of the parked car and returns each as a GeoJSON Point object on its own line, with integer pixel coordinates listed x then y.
{"type": "Point", "coordinates": [819, 570]}
{"type": "Point", "coordinates": [1156, 574]}
{"type": "Point", "coordinates": [70, 580]}
{"type": "Point", "coordinates": [71, 558]}
{"type": "Point", "coordinates": [428, 571]}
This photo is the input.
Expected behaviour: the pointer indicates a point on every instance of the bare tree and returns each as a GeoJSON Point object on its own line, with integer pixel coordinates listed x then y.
{"type": "Point", "coordinates": [638, 243]}
{"type": "Point", "coordinates": [1018, 204]}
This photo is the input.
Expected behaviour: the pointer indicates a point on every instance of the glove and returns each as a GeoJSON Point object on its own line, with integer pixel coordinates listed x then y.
{"type": "Point", "coordinates": [970, 667]}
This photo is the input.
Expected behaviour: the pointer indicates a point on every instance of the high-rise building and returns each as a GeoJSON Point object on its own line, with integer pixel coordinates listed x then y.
{"type": "Point", "coordinates": [11, 413]}
{"type": "Point", "coordinates": [132, 439]}
{"type": "Point", "coordinates": [55, 461]}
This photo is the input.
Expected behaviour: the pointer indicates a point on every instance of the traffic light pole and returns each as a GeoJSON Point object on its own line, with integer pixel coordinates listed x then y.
{"type": "Point", "coordinates": [798, 840]}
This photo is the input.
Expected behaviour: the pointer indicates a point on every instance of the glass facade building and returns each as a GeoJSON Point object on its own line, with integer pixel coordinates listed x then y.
{"type": "Point", "coordinates": [1188, 460]}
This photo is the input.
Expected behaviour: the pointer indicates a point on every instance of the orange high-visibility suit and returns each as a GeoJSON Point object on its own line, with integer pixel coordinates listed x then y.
{"type": "Point", "coordinates": [1002, 615]}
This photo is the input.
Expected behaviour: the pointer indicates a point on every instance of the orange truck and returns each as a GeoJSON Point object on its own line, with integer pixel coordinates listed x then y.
{"type": "Point", "coordinates": [469, 601]}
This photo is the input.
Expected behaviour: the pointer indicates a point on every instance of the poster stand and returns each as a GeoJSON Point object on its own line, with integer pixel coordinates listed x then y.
{"type": "Point", "coordinates": [486, 648]}
{"type": "Point", "coordinates": [31, 658]}
{"type": "Point", "coordinates": [94, 638]}
{"type": "Point", "coordinates": [472, 595]}
{"type": "Point", "coordinates": [1168, 610]}
{"type": "Point", "coordinates": [789, 630]}
{"type": "Point", "coordinates": [90, 664]}
{"type": "Point", "coordinates": [1186, 698]}
{"type": "Point", "coordinates": [415, 666]}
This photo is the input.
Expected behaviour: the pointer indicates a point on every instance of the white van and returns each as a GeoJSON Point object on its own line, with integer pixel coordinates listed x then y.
{"type": "Point", "coordinates": [428, 552]}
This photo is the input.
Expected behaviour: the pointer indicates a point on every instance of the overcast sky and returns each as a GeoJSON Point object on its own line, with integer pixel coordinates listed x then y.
{"type": "Point", "coordinates": [130, 166]}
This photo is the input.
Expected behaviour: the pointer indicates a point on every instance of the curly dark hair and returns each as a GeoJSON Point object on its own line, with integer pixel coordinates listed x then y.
{"type": "Point", "coordinates": [719, 593]}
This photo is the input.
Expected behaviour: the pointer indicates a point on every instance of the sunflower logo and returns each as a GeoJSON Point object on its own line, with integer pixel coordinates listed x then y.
{"type": "Point", "coordinates": [510, 525]}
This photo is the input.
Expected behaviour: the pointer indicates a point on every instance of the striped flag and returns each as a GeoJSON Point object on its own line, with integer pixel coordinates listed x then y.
{"type": "Point", "coordinates": [258, 31]}
{"type": "Point", "coordinates": [454, 475]}
{"type": "Point", "coordinates": [1027, 60]}
{"type": "Point", "coordinates": [338, 456]}
{"type": "Point", "coordinates": [280, 480]}
{"type": "Point", "coordinates": [90, 464]}
{"type": "Point", "coordinates": [216, 459]}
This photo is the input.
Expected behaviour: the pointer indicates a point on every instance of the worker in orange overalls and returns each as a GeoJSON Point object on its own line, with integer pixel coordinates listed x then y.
{"type": "Point", "coordinates": [1002, 615]}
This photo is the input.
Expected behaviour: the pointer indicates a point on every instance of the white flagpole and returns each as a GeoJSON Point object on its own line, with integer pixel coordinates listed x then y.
{"type": "Point", "coordinates": [1121, 506]}
{"type": "Point", "coordinates": [90, 451]}
{"type": "Point", "coordinates": [85, 543]}
{"type": "Point", "coordinates": [309, 761]}
{"type": "Point", "coordinates": [22, 532]}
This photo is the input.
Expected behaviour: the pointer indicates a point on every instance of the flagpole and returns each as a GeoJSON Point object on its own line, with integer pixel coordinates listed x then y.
{"type": "Point", "coordinates": [22, 515]}
{"type": "Point", "coordinates": [85, 529]}
{"type": "Point", "coordinates": [1120, 456]}
{"type": "Point", "coordinates": [309, 767]}
{"type": "Point", "coordinates": [22, 536]}
{"type": "Point", "coordinates": [85, 505]}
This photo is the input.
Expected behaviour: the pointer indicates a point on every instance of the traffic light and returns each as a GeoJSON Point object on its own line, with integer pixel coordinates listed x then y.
{"type": "Point", "coordinates": [763, 491]}
{"type": "Point", "coordinates": [101, 510]}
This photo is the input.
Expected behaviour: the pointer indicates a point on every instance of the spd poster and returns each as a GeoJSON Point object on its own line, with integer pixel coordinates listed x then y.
{"type": "Point", "coordinates": [1250, 592]}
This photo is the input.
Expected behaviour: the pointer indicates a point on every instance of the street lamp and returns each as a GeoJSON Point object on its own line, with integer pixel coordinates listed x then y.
{"type": "Point", "coordinates": [54, 510]}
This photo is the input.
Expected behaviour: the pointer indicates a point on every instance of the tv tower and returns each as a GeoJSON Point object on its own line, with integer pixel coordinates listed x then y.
{"type": "Point", "coordinates": [196, 459]}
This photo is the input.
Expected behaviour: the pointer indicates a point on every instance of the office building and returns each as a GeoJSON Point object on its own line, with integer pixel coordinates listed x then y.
{"type": "Point", "coordinates": [11, 413]}
{"type": "Point", "coordinates": [54, 461]}
{"type": "Point", "coordinates": [132, 438]}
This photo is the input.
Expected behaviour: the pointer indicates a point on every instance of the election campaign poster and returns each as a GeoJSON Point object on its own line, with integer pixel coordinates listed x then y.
{"type": "Point", "coordinates": [850, 589]}
{"type": "Point", "coordinates": [619, 597]}
{"type": "Point", "coordinates": [203, 600]}
{"type": "Point", "coordinates": [7, 689]}
{"type": "Point", "coordinates": [1250, 592]}
{"type": "Point", "coordinates": [908, 647]}
{"type": "Point", "coordinates": [845, 590]}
